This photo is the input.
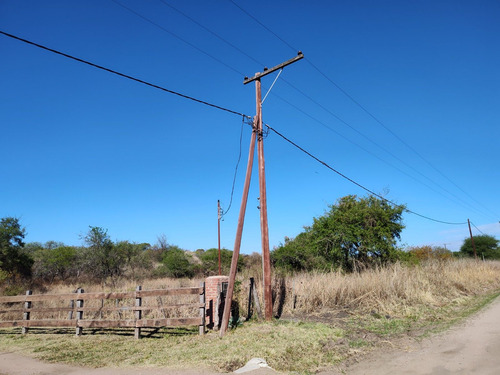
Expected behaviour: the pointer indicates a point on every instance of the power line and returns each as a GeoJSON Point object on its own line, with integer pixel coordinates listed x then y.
{"type": "Point", "coordinates": [382, 148]}
{"type": "Point", "coordinates": [125, 75]}
{"type": "Point", "coordinates": [366, 150]}
{"type": "Point", "coordinates": [469, 206]}
{"type": "Point", "coordinates": [377, 120]}
{"type": "Point", "coordinates": [224, 212]}
{"type": "Point", "coordinates": [212, 32]}
{"type": "Point", "coordinates": [357, 183]}
{"type": "Point", "coordinates": [264, 26]}
{"type": "Point", "coordinates": [291, 85]}
{"type": "Point", "coordinates": [176, 36]}
{"type": "Point", "coordinates": [220, 108]}
{"type": "Point", "coordinates": [364, 109]}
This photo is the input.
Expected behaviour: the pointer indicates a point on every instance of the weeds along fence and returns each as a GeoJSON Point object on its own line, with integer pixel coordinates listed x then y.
{"type": "Point", "coordinates": [133, 309]}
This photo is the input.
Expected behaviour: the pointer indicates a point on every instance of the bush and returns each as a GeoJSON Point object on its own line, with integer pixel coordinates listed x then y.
{"type": "Point", "coordinates": [59, 263]}
{"type": "Point", "coordinates": [354, 234]}
{"type": "Point", "coordinates": [486, 247]}
{"type": "Point", "coordinates": [175, 263]}
{"type": "Point", "coordinates": [210, 261]}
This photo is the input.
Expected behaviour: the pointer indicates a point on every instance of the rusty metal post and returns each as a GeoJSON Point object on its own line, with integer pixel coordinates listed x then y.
{"type": "Point", "coordinates": [264, 227]}
{"type": "Point", "coordinates": [472, 239]}
{"type": "Point", "coordinates": [239, 231]}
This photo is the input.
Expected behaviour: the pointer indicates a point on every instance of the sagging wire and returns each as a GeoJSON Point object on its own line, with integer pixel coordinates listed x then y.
{"type": "Point", "coordinates": [357, 183]}
{"type": "Point", "coordinates": [244, 120]}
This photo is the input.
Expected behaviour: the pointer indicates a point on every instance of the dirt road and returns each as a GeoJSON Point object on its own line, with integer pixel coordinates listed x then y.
{"type": "Point", "coordinates": [469, 348]}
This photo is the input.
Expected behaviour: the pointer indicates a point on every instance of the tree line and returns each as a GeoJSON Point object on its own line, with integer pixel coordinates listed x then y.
{"type": "Point", "coordinates": [100, 259]}
{"type": "Point", "coordinates": [355, 233]}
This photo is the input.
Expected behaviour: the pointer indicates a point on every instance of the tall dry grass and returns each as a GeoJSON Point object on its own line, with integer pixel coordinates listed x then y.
{"type": "Point", "coordinates": [395, 290]}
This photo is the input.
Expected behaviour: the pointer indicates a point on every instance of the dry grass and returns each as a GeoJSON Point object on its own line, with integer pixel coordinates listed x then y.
{"type": "Point", "coordinates": [396, 290]}
{"type": "Point", "coordinates": [379, 304]}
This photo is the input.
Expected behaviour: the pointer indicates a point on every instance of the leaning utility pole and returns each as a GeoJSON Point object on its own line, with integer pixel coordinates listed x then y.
{"type": "Point", "coordinates": [237, 240]}
{"type": "Point", "coordinates": [266, 258]}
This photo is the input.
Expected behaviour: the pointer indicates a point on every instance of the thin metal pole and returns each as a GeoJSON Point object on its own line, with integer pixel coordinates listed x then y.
{"type": "Point", "coordinates": [218, 233]}
{"type": "Point", "coordinates": [264, 228]}
{"type": "Point", "coordinates": [239, 231]}
{"type": "Point", "coordinates": [472, 239]}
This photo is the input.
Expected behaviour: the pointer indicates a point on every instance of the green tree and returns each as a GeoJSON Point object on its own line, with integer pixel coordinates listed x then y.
{"type": "Point", "coordinates": [136, 256]}
{"type": "Point", "coordinates": [101, 259]}
{"type": "Point", "coordinates": [354, 233]}
{"type": "Point", "coordinates": [175, 263]}
{"type": "Point", "coordinates": [298, 254]}
{"type": "Point", "coordinates": [13, 260]}
{"type": "Point", "coordinates": [486, 246]}
{"type": "Point", "coordinates": [55, 263]}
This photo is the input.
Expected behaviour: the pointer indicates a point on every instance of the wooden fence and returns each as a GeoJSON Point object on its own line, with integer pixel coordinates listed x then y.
{"type": "Point", "coordinates": [138, 309]}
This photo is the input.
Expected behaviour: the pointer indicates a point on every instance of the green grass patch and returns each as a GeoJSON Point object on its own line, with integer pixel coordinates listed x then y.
{"type": "Point", "coordinates": [286, 346]}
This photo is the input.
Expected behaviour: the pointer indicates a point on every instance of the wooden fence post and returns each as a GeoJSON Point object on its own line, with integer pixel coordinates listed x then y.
{"type": "Point", "coordinates": [26, 315]}
{"type": "Point", "coordinates": [202, 309]}
{"type": "Point", "coordinates": [72, 307]}
{"type": "Point", "coordinates": [79, 312]}
{"type": "Point", "coordinates": [138, 313]}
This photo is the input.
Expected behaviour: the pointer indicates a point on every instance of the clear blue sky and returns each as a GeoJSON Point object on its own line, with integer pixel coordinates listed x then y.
{"type": "Point", "coordinates": [82, 147]}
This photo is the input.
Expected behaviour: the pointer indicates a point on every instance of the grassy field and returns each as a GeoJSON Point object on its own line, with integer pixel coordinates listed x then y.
{"type": "Point", "coordinates": [325, 319]}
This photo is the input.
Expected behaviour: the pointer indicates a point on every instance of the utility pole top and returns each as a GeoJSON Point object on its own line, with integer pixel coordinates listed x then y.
{"type": "Point", "coordinates": [267, 71]}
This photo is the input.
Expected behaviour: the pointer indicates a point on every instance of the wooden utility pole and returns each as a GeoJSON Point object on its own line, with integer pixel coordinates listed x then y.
{"type": "Point", "coordinates": [264, 228]}
{"type": "Point", "coordinates": [472, 239]}
{"type": "Point", "coordinates": [266, 258]}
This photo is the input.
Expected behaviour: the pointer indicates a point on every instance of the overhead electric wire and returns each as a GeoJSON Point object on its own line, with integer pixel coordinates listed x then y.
{"type": "Point", "coordinates": [212, 32]}
{"type": "Point", "coordinates": [224, 212]}
{"type": "Point", "coordinates": [364, 149]}
{"type": "Point", "coordinates": [124, 75]}
{"type": "Point", "coordinates": [463, 202]}
{"type": "Point", "coordinates": [264, 26]}
{"type": "Point", "coordinates": [357, 183]}
{"type": "Point", "coordinates": [341, 120]}
{"type": "Point", "coordinates": [376, 119]}
{"type": "Point", "coordinates": [223, 109]}
{"type": "Point", "coordinates": [397, 136]}
{"type": "Point", "coordinates": [176, 36]}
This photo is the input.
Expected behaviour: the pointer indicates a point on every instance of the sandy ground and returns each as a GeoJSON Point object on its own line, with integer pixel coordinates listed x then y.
{"type": "Point", "coordinates": [15, 364]}
{"type": "Point", "coordinates": [470, 348]}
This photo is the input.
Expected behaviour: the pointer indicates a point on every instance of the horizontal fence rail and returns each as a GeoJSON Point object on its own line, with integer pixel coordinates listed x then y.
{"type": "Point", "coordinates": [132, 309]}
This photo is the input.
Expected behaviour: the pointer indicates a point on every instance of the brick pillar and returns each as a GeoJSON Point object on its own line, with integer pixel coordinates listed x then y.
{"type": "Point", "coordinates": [213, 302]}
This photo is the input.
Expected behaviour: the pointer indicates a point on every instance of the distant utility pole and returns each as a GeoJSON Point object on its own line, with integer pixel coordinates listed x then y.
{"type": "Point", "coordinates": [266, 258]}
{"type": "Point", "coordinates": [219, 216]}
{"type": "Point", "coordinates": [472, 239]}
